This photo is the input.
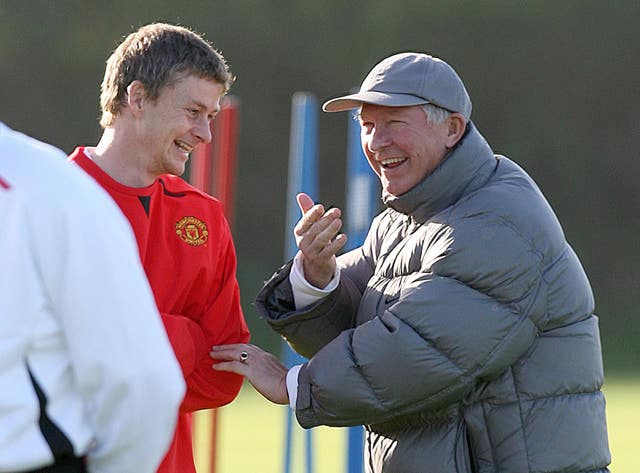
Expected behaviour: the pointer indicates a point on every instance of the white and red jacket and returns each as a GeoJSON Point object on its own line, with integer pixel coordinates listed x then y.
{"type": "Point", "coordinates": [85, 365]}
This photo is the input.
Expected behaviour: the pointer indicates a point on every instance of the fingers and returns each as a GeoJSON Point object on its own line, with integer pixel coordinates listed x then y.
{"type": "Point", "coordinates": [322, 230]}
{"type": "Point", "coordinates": [330, 249]}
{"type": "Point", "coordinates": [232, 366]}
{"type": "Point", "coordinates": [304, 202]}
{"type": "Point", "coordinates": [320, 243]}
{"type": "Point", "coordinates": [317, 236]}
{"type": "Point", "coordinates": [262, 369]}
{"type": "Point", "coordinates": [233, 357]}
{"type": "Point", "coordinates": [312, 213]}
{"type": "Point", "coordinates": [316, 222]}
{"type": "Point", "coordinates": [310, 217]}
{"type": "Point", "coordinates": [233, 352]}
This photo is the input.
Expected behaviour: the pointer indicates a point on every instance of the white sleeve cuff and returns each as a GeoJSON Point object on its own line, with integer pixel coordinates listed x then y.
{"type": "Point", "coordinates": [292, 385]}
{"type": "Point", "coordinates": [304, 294]}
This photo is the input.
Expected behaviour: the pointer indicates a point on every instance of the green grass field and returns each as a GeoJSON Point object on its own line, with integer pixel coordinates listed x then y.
{"type": "Point", "coordinates": [251, 435]}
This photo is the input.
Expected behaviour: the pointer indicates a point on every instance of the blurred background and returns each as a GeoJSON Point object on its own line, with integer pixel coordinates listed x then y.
{"type": "Point", "coordinates": [555, 86]}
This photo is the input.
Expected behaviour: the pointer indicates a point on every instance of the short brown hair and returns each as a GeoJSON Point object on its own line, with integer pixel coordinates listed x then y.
{"type": "Point", "coordinates": [157, 55]}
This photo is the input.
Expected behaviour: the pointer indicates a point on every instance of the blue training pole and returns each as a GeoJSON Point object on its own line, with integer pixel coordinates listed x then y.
{"type": "Point", "coordinates": [303, 177]}
{"type": "Point", "coordinates": [362, 195]}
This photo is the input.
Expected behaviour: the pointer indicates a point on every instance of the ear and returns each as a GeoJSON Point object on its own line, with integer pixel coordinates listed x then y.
{"type": "Point", "coordinates": [136, 95]}
{"type": "Point", "coordinates": [457, 125]}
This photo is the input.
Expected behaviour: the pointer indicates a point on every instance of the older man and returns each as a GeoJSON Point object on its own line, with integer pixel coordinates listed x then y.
{"type": "Point", "coordinates": [462, 332]}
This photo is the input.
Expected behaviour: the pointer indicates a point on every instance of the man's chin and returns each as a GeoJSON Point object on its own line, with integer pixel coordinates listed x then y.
{"type": "Point", "coordinates": [178, 168]}
{"type": "Point", "coordinates": [392, 190]}
{"type": "Point", "coordinates": [396, 191]}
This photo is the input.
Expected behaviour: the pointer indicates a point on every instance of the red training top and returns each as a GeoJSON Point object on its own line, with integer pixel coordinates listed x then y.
{"type": "Point", "coordinates": [188, 255]}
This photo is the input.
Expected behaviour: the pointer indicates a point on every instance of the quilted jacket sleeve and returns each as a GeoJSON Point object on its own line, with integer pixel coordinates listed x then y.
{"type": "Point", "coordinates": [311, 328]}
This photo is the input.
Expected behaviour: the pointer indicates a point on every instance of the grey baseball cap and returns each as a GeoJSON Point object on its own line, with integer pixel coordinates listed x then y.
{"type": "Point", "coordinates": [408, 79]}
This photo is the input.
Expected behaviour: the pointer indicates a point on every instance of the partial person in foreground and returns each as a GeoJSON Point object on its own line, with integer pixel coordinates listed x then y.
{"type": "Point", "coordinates": [161, 91]}
{"type": "Point", "coordinates": [89, 382]}
{"type": "Point", "coordinates": [462, 333]}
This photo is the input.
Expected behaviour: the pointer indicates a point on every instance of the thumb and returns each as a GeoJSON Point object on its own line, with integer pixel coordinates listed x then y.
{"type": "Point", "coordinates": [304, 202]}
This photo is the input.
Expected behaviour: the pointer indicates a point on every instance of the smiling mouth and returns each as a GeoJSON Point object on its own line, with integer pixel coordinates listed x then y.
{"type": "Point", "coordinates": [390, 163]}
{"type": "Point", "coordinates": [183, 146]}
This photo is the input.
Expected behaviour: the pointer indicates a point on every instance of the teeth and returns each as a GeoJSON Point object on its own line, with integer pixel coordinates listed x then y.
{"type": "Point", "coordinates": [186, 148]}
{"type": "Point", "coordinates": [386, 162]}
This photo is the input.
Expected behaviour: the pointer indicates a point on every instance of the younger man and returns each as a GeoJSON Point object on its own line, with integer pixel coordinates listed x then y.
{"type": "Point", "coordinates": [161, 90]}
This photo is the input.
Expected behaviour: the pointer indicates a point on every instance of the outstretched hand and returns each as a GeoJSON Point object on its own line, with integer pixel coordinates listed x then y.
{"type": "Point", "coordinates": [318, 238]}
{"type": "Point", "coordinates": [262, 369]}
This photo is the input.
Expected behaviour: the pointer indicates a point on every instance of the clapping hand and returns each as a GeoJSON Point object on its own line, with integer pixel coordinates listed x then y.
{"type": "Point", "coordinates": [318, 238]}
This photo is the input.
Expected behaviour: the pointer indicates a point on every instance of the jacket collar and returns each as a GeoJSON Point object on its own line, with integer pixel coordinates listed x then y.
{"type": "Point", "coordinates": [466, 168]}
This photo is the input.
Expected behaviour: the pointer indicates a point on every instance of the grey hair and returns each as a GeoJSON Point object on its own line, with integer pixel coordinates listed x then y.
{"type": "Point", "coordinates": [435, 114]}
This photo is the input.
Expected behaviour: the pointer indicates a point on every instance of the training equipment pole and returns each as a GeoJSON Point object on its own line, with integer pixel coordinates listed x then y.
{"type": "Point", "coordinates": [213, 165]}
{"type": "Point", "coordinates": [303, 177]}
{"type": "Point", "coordinates": [212, 170]}
{"type": "Point", "coordinates": [362, 197]}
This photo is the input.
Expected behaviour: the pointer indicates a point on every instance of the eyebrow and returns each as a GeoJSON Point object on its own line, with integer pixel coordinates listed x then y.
{"type": "Point", "coordinates": [202, 106]}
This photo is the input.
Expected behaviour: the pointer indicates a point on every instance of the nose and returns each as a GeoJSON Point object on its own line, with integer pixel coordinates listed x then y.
{"type": "Point", "coordinates": [203, 130]}
{"type": "Point", "coordinates": [376, 139]}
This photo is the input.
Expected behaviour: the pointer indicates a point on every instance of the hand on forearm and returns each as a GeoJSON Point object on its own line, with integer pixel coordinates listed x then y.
{"type": "Point", "coordinates": [262, 369]}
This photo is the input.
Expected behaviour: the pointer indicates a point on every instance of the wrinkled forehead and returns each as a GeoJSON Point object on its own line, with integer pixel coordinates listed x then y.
{"type": "Point", "coordinates": [368, 110]}
{"type": "Point", "coordinates": [206, 92]}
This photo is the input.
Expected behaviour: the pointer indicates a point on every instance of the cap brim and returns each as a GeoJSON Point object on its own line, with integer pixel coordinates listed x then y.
{"type": "Point", "coordinates": [348, 102]}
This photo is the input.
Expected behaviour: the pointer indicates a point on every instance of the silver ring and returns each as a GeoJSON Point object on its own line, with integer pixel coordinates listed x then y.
{"type": "Point", "coordinates": [244, 356]}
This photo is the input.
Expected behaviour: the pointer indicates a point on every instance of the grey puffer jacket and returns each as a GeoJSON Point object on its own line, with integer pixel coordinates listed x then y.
{"type": "Point", "coordinates": [462, 333]}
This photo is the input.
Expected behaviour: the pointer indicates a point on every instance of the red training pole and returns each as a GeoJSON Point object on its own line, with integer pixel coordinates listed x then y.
{"type": "Point", "coordinates": [213, 167]}
{"type": "Point", "coordinates": [225, 150]}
